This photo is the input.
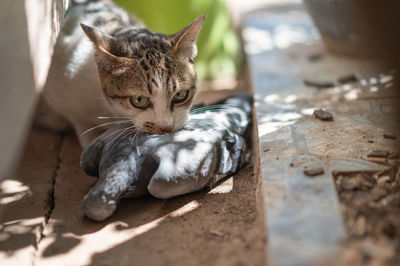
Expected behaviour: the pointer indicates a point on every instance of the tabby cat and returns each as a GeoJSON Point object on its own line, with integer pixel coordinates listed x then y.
{"type": "Point", "coordinates": [117, 69]}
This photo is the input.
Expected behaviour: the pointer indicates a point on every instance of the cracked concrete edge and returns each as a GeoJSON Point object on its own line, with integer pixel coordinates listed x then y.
{"type": "Point", "coordinates": [70, 238]}
{"type": "Point", "coordinates": [50, 199]}
{"type": "Point", "coordinates": [21, 222]}
{"type": "Point", "coordinates": [69, 186]}
{"type": "Point", "coordinates": [256, 161]}
{"type": "Point", "coordinates": [259, 193]}
{"type": "Point", "coordinates": [63, 187]}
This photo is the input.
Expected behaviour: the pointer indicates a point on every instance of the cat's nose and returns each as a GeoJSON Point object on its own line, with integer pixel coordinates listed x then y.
{"type": "Point", "coordinates": [166, 128]}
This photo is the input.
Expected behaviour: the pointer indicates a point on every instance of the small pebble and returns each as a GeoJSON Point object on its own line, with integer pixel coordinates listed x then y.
{"type": "Point", "coordinates": [360, 226]}
{"type": "Point", "coordinates": [394, 155]}
{"type": "Point", "coordinates": [315, 57]}
{"type": "Point", "coordinates": [385, 78]}
{"type": "Point", "coordinates": [319, 84]}
{"type": "Point", "coordinates": [348, 184]}
{"type": "Point", "coordinates": [347, 79]}
{"type": "Point", "coordinates": [373, 81]}
{"type": "Point", "coordinates": [266, 148]}
{"type": "Point", "coordinates": [383, 180]}
{"type": "Point", "coordinates": [216, 233]}
{"type": "Point", "coordinates": [364, 82]}
{"type": "Point", "coordinates": [370, 141]}
{"type": "Point", "coordinates": [389, 136]}
{"type": "Point", "coordinates": [323, 115]}
{"type": "Point", "coordinates": [380, 154]}
{"type": "Point", "coordinates": [314, 171]}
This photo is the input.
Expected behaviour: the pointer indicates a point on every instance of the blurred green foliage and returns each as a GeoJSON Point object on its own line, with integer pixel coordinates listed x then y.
{"type": "Point", "coordinates": [218, 44]}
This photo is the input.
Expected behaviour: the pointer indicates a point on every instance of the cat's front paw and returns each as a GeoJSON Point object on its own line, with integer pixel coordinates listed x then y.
{"type": "Point", "coordinates": [98, 208]}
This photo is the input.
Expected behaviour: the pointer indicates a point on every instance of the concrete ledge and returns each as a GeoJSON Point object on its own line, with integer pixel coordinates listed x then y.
{"type": "Point", "coordinates": [303, 219]}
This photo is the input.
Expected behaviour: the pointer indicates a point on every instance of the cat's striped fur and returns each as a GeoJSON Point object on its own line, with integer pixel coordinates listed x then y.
{"type": "Point", "coordinates": [126, 72]}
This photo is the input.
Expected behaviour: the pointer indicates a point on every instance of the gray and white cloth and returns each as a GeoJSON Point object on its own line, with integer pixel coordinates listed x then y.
{"type": "Point", "coordinates": [209, 147]}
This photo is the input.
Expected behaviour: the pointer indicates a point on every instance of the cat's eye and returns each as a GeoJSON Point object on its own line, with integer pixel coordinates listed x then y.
{"type": "Point", "coordinates": [181, 96]}
{"type": "Point", "coordinates": [140, 101]}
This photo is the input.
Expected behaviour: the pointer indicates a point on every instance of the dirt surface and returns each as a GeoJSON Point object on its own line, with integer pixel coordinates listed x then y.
{"type": "Point", "coordinates": [222, 226]}
{"type": "Point", "coordinates": [370, 202]}
{"type": "Point", "coordinates": [25, 198]}
{"type": "Point", "coordinates": [217, 227]}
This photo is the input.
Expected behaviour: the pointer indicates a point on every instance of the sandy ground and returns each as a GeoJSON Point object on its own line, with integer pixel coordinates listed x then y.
{"type": "Point", "coordinates": [42, 223]}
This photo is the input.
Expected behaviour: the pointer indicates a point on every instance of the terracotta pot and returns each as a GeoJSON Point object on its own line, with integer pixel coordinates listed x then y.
{"type": "Point", "coordinates": [357, 27]}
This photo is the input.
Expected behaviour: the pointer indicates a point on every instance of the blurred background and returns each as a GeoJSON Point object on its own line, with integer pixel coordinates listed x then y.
{"type": "Point", "coordinates": [218, 45]}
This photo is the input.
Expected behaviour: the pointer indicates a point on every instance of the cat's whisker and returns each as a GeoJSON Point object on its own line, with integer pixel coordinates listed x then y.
{"type": "Point", "coordinates": [115, 135]}
{"type": "Point", "coordinates": [210, 110]}
{"type": "Point", "coordinates": [125, 133]}
{"type": "Point", "coordinates": [139, 131]}
{"type": "Point", "coordinates": [206, 111]}
{"type": "Point", "coordinates": [108, 137]}
{"type": "Point", "coordinates": [101, 125]}
{"type": "Point", "coordinates": [121, 134]}
{"type": "Point", "coordinates": [135, 138]}
{"type": "Point", "coordinates": [218, 105]}
{"type": "Point", "coordinates": [114, 117]}
{"type": "Point", "coordinates": [104, 141]}
{"type": "Point", "coordinates": [221, 106]}
{"type": "Point", "coordinates": [124, 119]}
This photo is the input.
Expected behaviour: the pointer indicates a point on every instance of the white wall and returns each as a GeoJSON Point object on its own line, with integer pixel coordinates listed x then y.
{"type": "Point", "coordinates": [28, 30]}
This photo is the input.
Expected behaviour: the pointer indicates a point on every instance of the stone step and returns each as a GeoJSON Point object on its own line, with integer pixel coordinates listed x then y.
{"type": "Point", "coordinates": [303, 218]}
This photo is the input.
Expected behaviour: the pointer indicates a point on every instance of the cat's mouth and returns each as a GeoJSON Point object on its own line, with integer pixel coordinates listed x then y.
{"type": "Point", "coordinates": [150, 127]}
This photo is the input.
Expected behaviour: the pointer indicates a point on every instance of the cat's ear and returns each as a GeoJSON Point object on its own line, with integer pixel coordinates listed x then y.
{"type": "Point", "coordinates": [184, 41]}
{"type": "Point", "coordinates": [102, 41]}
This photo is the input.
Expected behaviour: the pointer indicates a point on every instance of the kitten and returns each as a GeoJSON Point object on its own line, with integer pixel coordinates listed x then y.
{"type": "Point", "coordinates": [125, 71]}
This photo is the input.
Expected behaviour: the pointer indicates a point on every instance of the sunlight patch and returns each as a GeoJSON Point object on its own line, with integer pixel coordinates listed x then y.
{"type": "Point", "coordinates": [191, 206]}
{"type": "Point", "coordinates": [16, 189]}
{"type": "Point", "coordinates": [224, 187]}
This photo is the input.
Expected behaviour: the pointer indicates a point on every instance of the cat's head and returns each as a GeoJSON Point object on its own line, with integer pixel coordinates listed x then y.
{"type": "Point", "coordinates": [146, 76]}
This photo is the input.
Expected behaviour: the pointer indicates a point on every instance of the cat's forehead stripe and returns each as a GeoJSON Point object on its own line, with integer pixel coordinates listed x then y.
{"type": "Point", "coordinates": [160, 70]}
{"type": "Point", "coordinates": [174, 85]}
{"type": "Point", "coordinates": [136, 42]}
